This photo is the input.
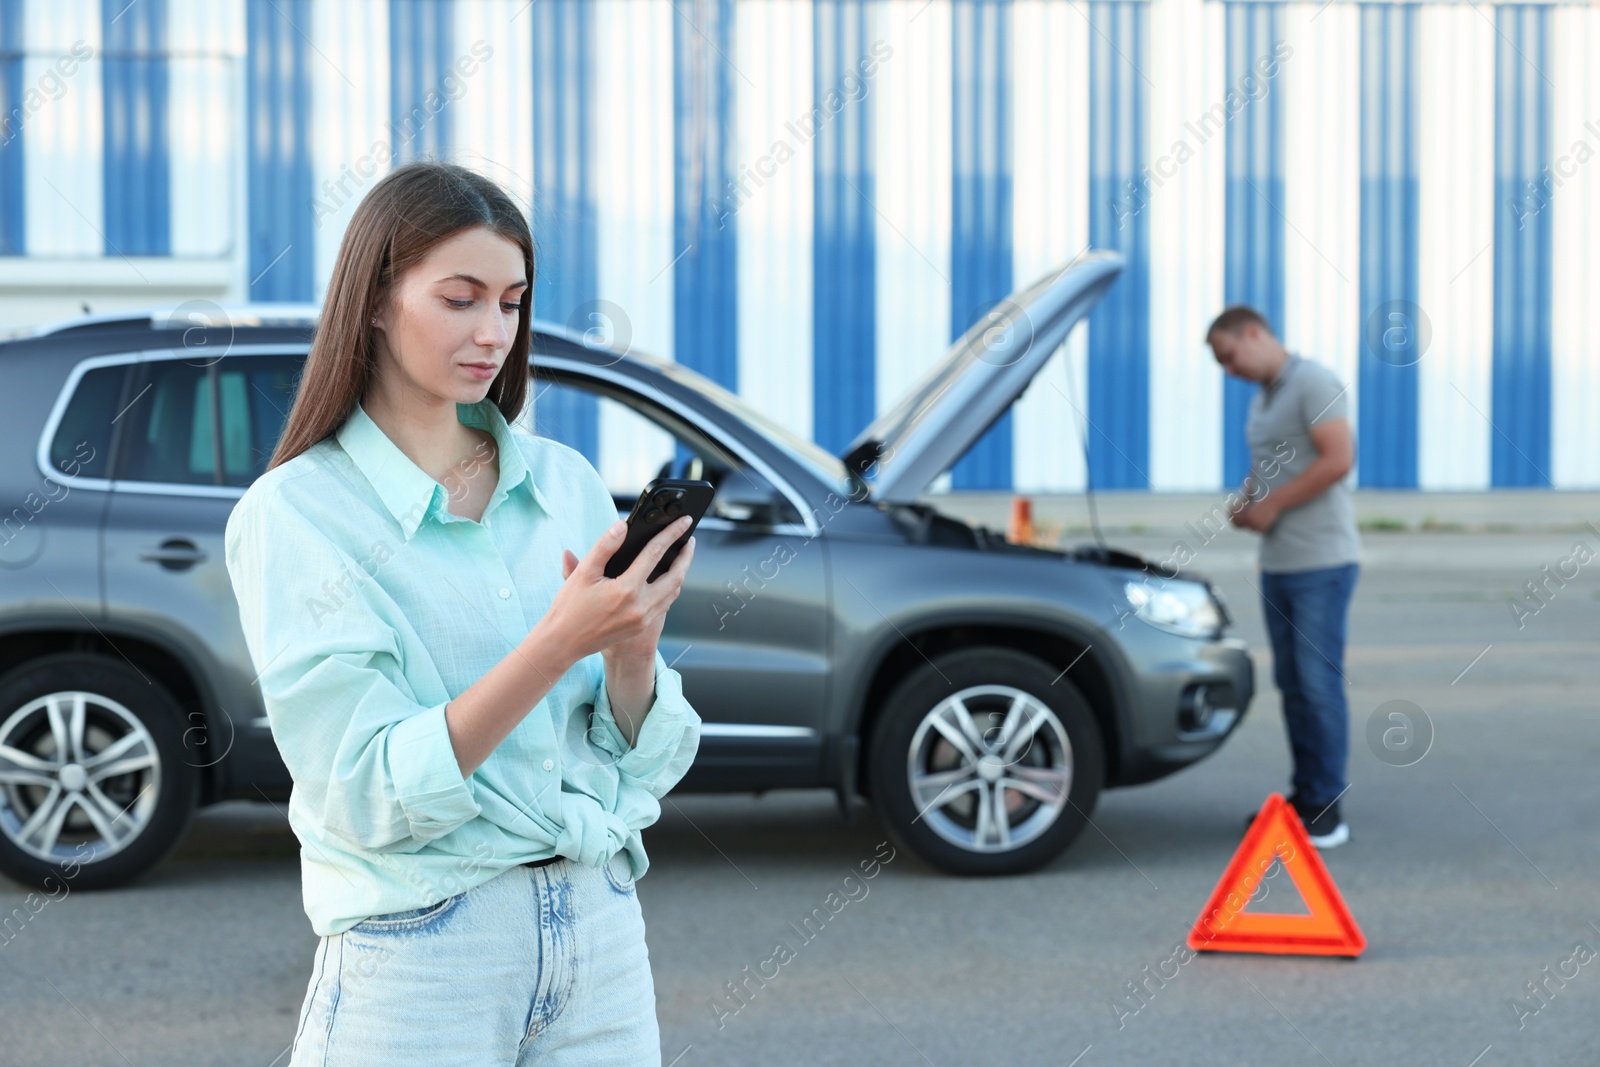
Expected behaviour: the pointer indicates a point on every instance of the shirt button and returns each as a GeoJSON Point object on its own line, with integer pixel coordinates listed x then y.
{"type": "Point", "coordinates": [549, 764]}
{"type": "Point", "coordinates": [504, 593]}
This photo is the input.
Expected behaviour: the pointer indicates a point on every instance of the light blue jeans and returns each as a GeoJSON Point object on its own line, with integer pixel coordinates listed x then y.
{"type": "Point", "coordinates": [538, 965]}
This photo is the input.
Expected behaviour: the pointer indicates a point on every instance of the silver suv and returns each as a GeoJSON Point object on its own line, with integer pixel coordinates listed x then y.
{"type": "Point", "coordinates": [835, 630]}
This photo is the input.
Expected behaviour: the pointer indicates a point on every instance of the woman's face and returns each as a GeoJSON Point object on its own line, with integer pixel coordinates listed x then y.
{"type": "Point", "coordinates": [455, 308]}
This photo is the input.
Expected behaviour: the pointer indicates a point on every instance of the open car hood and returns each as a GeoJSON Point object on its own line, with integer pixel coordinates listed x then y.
{"type": "Point", "coordinates": [936, 421]}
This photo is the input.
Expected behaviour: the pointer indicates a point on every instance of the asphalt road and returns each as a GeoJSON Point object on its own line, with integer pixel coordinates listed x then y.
{"type": "Point", "coordinates": [1472, 871]}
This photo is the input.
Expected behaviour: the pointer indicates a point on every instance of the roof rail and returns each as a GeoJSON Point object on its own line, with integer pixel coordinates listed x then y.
{"type": "Point", "coordinates": [551, 328]}
{"type": "Point", "coordinates": [259, 314]}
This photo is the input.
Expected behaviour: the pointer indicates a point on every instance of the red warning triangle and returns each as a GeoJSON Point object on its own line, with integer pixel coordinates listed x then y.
{"type": "Point", "coordinates": [1224, 925]}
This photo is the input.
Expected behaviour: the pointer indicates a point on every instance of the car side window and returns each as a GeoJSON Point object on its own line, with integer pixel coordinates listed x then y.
{"type": "Point", "coordinates": [257, 393]}
{"type": "Point", "coordinates": [82, 443]}
{"type": "Point", "coordinates": [637, 442]}
{"type": "Point", "coordinates": [159, 440]}
{"type": "Point", "coordinates": [172, 437]}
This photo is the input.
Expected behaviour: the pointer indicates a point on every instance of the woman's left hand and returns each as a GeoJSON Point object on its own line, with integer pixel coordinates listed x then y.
{"type": "Point", "coordinates": [630, 664]}
{"type": "Point", "coordinates": [641, 648]}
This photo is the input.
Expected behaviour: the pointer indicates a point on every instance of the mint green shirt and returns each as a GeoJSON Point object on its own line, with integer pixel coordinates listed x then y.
{"type": "Point", "coordinates": [367, 606]}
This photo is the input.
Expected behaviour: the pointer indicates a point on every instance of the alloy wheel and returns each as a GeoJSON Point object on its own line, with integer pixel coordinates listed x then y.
{"type": "Point", "coordinates": [990, 768]}
{"type": "Point", "coordinates": [76, 768]}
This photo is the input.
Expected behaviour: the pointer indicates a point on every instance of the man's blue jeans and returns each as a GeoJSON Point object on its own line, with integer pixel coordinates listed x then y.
{"type": "Point", "coordinates": [1306, 615]}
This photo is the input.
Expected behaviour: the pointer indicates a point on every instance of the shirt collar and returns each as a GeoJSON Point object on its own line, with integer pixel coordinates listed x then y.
{"type": "Point", "coordinates": [408, 491]}
{"type": "Point", "coordinates": [1290, 362]}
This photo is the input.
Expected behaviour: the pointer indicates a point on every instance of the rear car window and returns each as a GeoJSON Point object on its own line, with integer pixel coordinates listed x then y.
{"type": "Point", "coordinates": [159, 446]}
{"type": "Point", "coordinates": [257, 393]}
{"type": "Point", "coordinates": [82, 443]}
{"type": "Point", "coordinates": [173, 438]}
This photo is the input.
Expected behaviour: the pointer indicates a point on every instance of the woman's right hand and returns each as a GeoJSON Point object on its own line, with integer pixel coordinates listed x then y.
{"type": "Point", "coordinates": [591, 612]}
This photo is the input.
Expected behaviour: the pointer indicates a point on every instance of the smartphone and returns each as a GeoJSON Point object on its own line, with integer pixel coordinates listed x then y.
{"type": "Point", "coordinates": [659, 505]}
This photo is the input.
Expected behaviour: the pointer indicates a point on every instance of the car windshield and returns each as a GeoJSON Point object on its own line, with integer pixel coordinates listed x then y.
{"type": "Point", "coordinates": [826, 467]}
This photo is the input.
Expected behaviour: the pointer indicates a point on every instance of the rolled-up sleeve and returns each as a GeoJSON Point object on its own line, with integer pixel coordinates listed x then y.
{"type": "Point", "coordinates": [666, 742]}
{"type": "Point", "coordinates": [371, 762]}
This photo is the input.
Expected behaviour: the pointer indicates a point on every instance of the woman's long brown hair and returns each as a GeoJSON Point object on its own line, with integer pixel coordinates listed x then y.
{"type": "Point", "coordinates": [411, 209]}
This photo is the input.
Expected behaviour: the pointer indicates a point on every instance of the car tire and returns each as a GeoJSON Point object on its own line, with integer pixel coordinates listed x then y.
{"type": "Point", "coordinates": [124, 800]}
{"type": "Point", "coordinates": [1030, 729]}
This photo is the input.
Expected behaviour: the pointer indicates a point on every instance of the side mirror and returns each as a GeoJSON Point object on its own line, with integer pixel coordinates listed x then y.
{"type": "Point", "coordinates": [745, 496]}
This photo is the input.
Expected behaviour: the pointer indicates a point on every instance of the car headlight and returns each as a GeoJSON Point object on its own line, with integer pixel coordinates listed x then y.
{"type": "Point", "coordinates": [1181, 607]}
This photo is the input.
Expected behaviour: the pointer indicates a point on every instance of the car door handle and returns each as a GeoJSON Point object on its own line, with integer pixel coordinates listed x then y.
{"type": "Point", "coordinates": [174, 555]}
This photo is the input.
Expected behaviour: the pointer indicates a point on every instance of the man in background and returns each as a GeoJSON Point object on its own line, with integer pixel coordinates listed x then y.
{"type": "Point", "coordinates": [1298, 429]}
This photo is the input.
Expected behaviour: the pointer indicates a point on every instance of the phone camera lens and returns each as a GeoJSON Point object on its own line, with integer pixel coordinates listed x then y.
{"type": "Point", "coordinates": [673, 507]}
{"type": "Point", "coordinates": [652, 514]}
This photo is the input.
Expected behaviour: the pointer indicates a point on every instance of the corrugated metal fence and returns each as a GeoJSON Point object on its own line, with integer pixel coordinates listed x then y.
{"type": "Point", "coordinates": [808, 199]}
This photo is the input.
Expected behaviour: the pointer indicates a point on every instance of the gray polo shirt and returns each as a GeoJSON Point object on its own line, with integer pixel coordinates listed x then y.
{"type": "Point", "coordinates": [1322, 531]}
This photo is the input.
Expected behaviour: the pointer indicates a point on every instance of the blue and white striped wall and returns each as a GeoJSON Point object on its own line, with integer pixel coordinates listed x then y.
{"type": "Point", "coordinates": [807, 200]}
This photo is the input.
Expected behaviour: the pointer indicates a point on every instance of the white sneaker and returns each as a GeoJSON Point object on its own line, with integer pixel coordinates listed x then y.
{"type": "Point", "coordinates": [1324, 824]}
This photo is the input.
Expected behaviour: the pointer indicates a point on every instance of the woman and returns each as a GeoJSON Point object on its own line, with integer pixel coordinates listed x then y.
{"type": "Point", "coordinates": [476, 737]}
